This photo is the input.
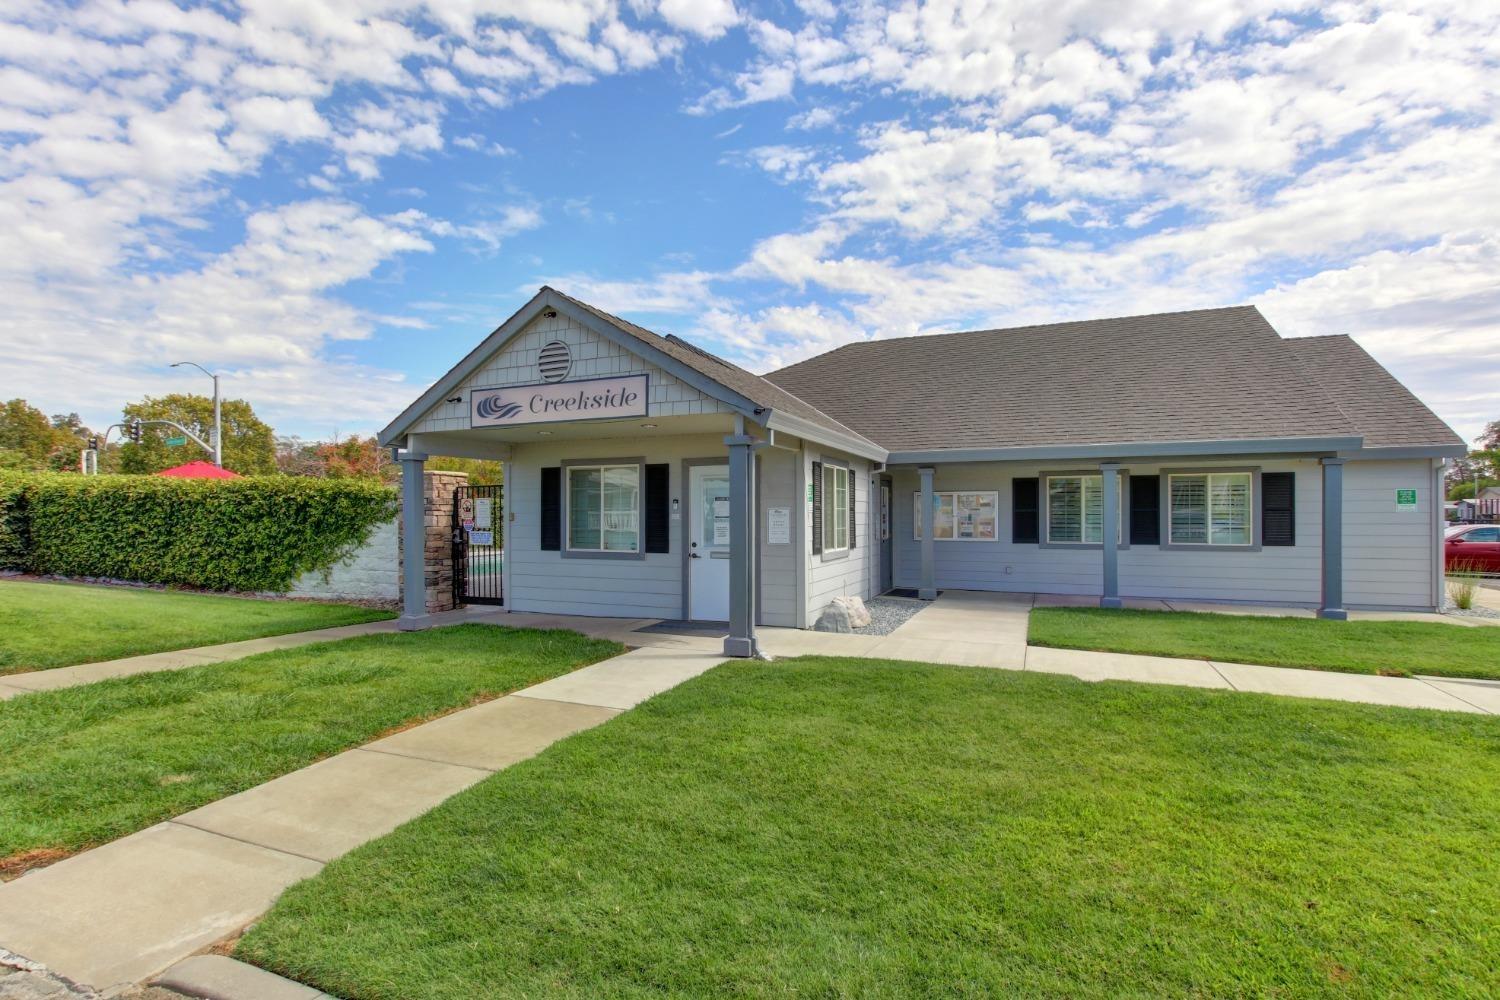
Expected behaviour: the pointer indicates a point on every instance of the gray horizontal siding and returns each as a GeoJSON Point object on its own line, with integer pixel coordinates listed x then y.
{"type": "Point", "coordinates": [1387, 551]}
{"type": "Point", "coordinates": [546, 582]}
{"type": "Point", "coordinates": [778, 563]}
{"type": "Point", "coordinates": [849, 576]}
{"type": "Point", "coordinates": [1273, 575]}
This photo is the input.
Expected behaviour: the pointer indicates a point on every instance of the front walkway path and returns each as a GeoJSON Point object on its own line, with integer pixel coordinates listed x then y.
{"type": "Point", "coordinates": [979, 629]}
{"type": "Point", "coordinates": [117, 914]}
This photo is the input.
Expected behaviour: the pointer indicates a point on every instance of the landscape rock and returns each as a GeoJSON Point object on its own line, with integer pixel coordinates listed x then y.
{"type": "Point", "coordinates": [835, 618]}
{"type": "Point", "coordinates": [859, 616]}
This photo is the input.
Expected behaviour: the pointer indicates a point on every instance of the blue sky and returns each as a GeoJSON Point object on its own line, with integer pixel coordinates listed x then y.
{"type": "Point", "coordinates": [331, 202]}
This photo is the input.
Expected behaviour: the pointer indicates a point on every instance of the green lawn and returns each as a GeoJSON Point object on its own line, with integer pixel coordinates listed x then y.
{"type": "Point", "coordinates": [57, 624]}
{"type": "Point", "coordinates": [1351, 647]}
{"type": "Point", "coordinates": [87, 764]}
{"type": "Point", "coordinates": [855, 828]}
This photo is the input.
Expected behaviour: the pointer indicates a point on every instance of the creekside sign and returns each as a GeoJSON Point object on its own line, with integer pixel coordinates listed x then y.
{"type": "Point", "coordinates": [550, 402]}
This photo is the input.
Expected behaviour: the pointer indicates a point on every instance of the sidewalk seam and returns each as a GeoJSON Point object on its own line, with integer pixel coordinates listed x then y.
{"type": "Point", "coordinates": [1455, 697]}
{"type": "Point", "coordinates": [1215, 668]}
{"type": "Point", "coordinates": [560, 701]}
{"type": "Point", "coordinates": [411, 756]}
{"type": "Point", "coordinates": [178, 821]}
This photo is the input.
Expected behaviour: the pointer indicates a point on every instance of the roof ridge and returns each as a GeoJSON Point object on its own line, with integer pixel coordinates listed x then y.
{"type": "Point", "coordinates": [1015, 329]}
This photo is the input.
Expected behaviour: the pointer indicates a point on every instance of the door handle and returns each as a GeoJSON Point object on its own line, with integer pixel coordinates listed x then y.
{"type": "Point", "coordinates": [694, 555]}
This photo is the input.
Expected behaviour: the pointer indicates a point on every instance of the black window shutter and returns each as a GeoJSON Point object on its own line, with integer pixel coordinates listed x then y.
{"type": "Point", "coordinates": [1145, 510]}
{"type": "Point", "coordinates": [817, 513]}
{"type": "Point", "coordinates": [851, 508]}
{"type": "Point", "coordinates": [658, 508]}
{"type": "Point", "coordinates": [1278, 510]}
{"type": "Point", "coordinates": [1025, 511]}
{"type": "Point", "coordinates": [551, 509]}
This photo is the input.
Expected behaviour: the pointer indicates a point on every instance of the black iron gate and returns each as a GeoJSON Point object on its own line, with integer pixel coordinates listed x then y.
{"type": "Point", "coordinates": [478, 544]}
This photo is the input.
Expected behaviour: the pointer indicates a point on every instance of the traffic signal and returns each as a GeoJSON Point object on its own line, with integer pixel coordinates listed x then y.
{"type": "Point", "coordinates": [94, 443]}
{"type": "Point", "coordinates": [135, 431]}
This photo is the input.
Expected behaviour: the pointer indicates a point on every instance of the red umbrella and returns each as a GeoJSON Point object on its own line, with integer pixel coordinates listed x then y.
{"type": "Point", "coordinates": [198, 470]}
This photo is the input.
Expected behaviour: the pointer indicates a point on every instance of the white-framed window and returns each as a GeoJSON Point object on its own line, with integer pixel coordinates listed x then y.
{"type": "Point", "coordinates": [1075, 510]}
{"type": "Point", "coordinates": [604, 508]}
{"type": "Point", "coordinates": [1211, 508]}
{"type": "Point", "coordinates": [836, 486]}
{"type": "Point", "coordinates": [960, 516]}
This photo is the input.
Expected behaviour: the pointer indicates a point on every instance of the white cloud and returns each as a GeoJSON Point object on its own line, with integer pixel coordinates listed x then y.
{"type": "Point", "coordinates": [705, 18]}
{"type": "Point", "coordinates": [813, 119]}
{"type": "Point", "coordinates": [129, 125]}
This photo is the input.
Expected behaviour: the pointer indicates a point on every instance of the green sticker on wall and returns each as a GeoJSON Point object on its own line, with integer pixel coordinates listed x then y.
{"type": "Point", "coordinates": [1406, 498]}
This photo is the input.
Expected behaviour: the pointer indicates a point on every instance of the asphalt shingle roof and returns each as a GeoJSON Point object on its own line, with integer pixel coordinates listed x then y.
{"type": "Point", "coordinates": [1384, 410]}
{"type": "Point", "coordinates": [1210, 374]}
{"type": "Point", "coordinates": [753, 387]}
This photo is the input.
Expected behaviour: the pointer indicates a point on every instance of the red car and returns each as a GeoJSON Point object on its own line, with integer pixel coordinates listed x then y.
{"type": "Point", "coordinates": [1473, 546]}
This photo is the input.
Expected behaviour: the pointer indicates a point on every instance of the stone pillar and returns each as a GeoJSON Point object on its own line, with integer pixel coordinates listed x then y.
{"type": "Point", "coordinates": [1333, 541]}
{"type": "Point", "coordinates": [928, 589]}
{"type": "Point", "coordinates": [741, 638]}
{"type": "Point", "coordinates": [413, 544]}
{"type": "Point", "coordinates": [439, 524]}
{"type": "Point", "coordinates": [1109, 474]}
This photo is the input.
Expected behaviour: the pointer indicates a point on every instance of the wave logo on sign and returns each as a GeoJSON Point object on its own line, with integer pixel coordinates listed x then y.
{"type": "Point", "coordinates": [496, 408]}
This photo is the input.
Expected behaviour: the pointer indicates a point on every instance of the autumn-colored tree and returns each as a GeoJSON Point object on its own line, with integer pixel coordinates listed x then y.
{"type": "Point", "coordinates": [249, 445]}
{"type": "Point", "coordinates": [356, 458]}
{"type": "Point", "coordinates": [481, 471]}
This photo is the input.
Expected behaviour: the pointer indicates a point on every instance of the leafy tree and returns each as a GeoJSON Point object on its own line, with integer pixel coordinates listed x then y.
{"type": "Point", "coordinates": [356, 458]}
{"type": "Point", "coordinates": [1482, 464]}
{"type": "Point", "coordinates": [32, 442]}
{"type": "Point", "coordinates": [482, 471]}
{"type": "Point", "coordinates": [26, 430]}
{"type": "Point", "coordinates": [249, 444]}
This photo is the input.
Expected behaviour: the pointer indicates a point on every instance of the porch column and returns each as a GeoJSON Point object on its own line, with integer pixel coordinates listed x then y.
{"type": "Point", "coordinates": [1333, 541]}
{"type": "Point", "coordinates": [1109, 473]}
{"type": "Point", "coordinates": [741, 638]}
{"type": "Point", "coordinates": [413, 544]}
{"type": "Point", "coordinates": [928, 590]}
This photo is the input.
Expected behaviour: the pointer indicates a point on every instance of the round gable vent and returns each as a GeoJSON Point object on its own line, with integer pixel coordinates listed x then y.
{"type": "Point", "coordinates": [555, 361]}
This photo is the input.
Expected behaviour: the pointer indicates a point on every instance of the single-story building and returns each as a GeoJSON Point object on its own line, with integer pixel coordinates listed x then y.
{"type": "Point", "coordinates": [1189, 455]}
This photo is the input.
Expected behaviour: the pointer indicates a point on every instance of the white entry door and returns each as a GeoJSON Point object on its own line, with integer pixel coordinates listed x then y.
{"type": "Point", "coordinates": [708, 543]}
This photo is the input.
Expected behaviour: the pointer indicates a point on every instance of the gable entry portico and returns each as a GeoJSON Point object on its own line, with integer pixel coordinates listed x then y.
{"type": "Point", "coordinates": [597, 422]}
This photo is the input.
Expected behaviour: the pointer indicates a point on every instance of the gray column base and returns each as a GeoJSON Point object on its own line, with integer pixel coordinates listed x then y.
{"type": "Point", "coordinates": [1111, 602]}
{"type": "Point", "coordinates": [926, 594]}
{"type": "Point", "coordinates": [413, 623]}
{"type": "Point", "coordinates": [1333, 614]}
{"type": "Point", "coordinates": [740, 646]}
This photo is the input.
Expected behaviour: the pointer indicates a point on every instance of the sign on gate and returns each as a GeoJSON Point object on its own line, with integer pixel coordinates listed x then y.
{"type": "Point", "coordinates": [478, 539]}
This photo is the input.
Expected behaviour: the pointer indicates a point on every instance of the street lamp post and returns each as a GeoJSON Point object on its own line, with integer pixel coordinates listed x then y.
{"type": "Point", "coordinates": [218, 428]}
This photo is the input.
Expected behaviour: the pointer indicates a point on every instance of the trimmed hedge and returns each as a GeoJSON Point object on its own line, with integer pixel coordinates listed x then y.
{"type": "Point", "coordinates": [254, 534]}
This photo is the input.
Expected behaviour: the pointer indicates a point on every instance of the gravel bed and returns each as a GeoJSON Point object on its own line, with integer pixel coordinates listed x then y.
{"type": "Point", "coordinates": [889, 613]}
{"type": "Point", "coordinates": [1475, 612]}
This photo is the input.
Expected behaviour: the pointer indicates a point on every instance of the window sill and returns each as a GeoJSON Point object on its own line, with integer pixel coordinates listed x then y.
{"type": "Point", "coordinates": [834, 555]}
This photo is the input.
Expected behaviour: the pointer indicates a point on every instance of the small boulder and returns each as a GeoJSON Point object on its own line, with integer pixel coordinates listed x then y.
{"type": "Point", "coordinates": [835, 618]}
{"type": "Point", "coordinates": [859, 615]}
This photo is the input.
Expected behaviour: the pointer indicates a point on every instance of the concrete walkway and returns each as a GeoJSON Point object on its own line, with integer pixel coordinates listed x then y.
{"type": "Point", "coordinates": [978, 629]}
{"type": "Point", "coordinates": [118, 914]}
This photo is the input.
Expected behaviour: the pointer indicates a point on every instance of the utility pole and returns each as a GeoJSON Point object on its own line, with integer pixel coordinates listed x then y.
{"type": "Point", "coordinates": [218, 438]}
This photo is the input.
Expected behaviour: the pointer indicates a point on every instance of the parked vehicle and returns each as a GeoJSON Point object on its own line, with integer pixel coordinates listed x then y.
{"type": "Point", "coordinates": [1473, 546]}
